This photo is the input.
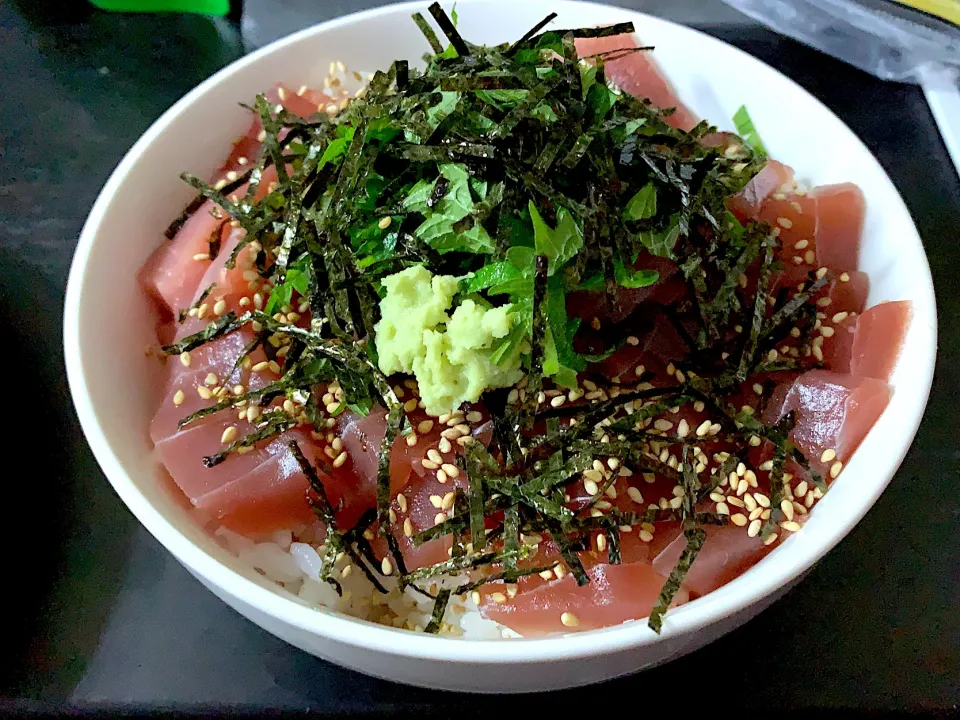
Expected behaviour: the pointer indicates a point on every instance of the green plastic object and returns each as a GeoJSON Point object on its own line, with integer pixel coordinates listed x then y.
{"type": "Point", "coordinates": [203, 7]}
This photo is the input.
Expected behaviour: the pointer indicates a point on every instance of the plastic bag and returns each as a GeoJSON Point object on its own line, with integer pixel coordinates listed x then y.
{"type": "Point", "coordinates": [905, 41]}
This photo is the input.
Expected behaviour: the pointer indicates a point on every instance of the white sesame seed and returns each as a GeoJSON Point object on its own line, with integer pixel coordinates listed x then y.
{"type": "Point", "coordinates": [185, 358]}
{"type": "Point", "coordinates": [439, 518]}
{"type": "Point", "coordinates": [568, 619]}
{"type": "Point", "coordinates": [787, 507]}
{"type": "Point", "coordinates": [790, 525]}
{"type": "Point", "coordinates": [451, 470]}
{"type": "Point", "coordinates": [844, 277]}
{"type": "Point", "coordinates": [754, 528]}
{"type": "Point", "coordinates": [204, 392]}
{"type": "Point", "coordinates": [448, 500]}
{"type": "Point", "coordinates": [229, 435]}
{"type": "Point", "coordinates": [340, 460]}
{"type": "Point", "coordinates": [828, 455]}
{"type": "Point", "coordinates": [429, 464]}
{"type": "Point", "coordinates": [784, 222]}
{"type": "Point", "coordinates": [178, 397]}
{"type": "Point", "coordinates": [703, 428]}
{"type": "Point", "coordinates": [739, 519]}
{"type": "Point", "coordinates": [386, 566]}
{"type": "Point", "coordinates": [425, 426]}
{"type": "Point", "coordinates": [835, 469]}
{"type": "Point", "coordinates": [442, 477]}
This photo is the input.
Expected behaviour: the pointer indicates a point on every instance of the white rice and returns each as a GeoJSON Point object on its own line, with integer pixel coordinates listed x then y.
{"type": "Point", "coordinates": [294, 564]}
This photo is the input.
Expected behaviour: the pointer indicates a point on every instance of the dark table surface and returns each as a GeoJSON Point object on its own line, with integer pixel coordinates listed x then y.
{"type": "Point", "coordinates": [101, 617]}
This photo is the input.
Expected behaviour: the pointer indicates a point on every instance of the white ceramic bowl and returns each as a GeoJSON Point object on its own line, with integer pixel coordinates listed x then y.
{"type": "Point", "coordinates": [107, 329]}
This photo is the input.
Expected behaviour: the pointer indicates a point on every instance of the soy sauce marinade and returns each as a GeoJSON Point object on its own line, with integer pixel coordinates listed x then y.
{"type": "Point", "coordinates": [518, 169]}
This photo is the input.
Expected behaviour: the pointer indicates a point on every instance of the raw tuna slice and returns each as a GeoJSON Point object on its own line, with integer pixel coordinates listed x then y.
{"type": "Point", "coordinates": [772, 178]}
{"type": "Point", "coordinates": [615, 594]}
{"type": "Point", "coordinates": [226, 284]}
{"type": "Point", "coordinates": [171, 274]}
{"type": "Point", "coordinates": [795, 217]}
{"type": "Point", "coordinates": [273, 496]}
{"type": "Point", "coordinates": [638, 74]}
{"type": "Point", "coordinates": [840, 213]}
{"type": "Point", "coordinates": [878, 339]}
{"type": "Point", "coordinates": [726, 553]}
{"type": "Point", "coordinates": [834, 412]}
{"type": "Point", "coordinates": [304, 103]}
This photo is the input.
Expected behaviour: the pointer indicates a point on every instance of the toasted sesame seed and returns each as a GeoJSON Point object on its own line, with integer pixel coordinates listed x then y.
{"type": "Point", "coordinates": [723, 508]}
{"type": "Point", "coordinates": [452, 433]}
{"type": "Point", "coordinates": [451, 470]}
{"type": "Point", "coordinates": [178, 397]}
{"type": "Point", "coordinates": [835, 469]}
{"type": "Point", "coordinates": [412, 440]}
{"type": "Point", "coordinates": [844, 277]}
{"type": "Point", "coordinates": [185, 358]}
{"type": "Point", "coordinates": [340, 460]}
{"type": "Point", "coordinates": [448, 500]}
{"type": "Point", "coordinates": [435, 456]}
{"type": "Point", "coordinates": [407, 527]}
{"type": "Point", "coordinates": [785, 222]}
{"type": "Point", "coordinates": [442, 477]}
{"type": "Point", "coordinates": [439, 518]}
{"type": "Point", "coordinates": [787, 507]}
{"type": "Point", "coordinates": [739, 519]}
{"type": "Point", "coordinates": [828, 455]}
{"type": "Point", "coordinates": [229, 435]}
{"type": "Point", "coordinates": [204, 392]}
{"type": "Point", "coordinates": [801, 244]}
{"type": "Point", "coordinates": [568, 619]}
{"type": "Point", "coordinates": [386, 566]}
{"type": "Point", "coordinates": [790, 525]}
{"type": "Point", "coordinates": [754, 528]}
{"type": "Point", "coordinates": [429, 464]}
{"type": "Point", "coordinates": [601, 542]}
{"type": "Point", "coordinates": [840, 316]}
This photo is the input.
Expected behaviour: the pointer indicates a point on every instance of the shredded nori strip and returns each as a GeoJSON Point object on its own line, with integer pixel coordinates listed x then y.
{"type": "Point", "coordinates": [439, 609]}
{"type": "Point", "coordinates": [695, 538]}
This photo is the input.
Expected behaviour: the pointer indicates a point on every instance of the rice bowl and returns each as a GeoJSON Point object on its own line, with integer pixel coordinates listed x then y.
{"type": "Point", "coordinates": [631, 646]}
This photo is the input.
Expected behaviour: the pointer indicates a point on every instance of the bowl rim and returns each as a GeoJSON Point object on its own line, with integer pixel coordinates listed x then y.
{"type": "Point", "coordinates": [700, 613]}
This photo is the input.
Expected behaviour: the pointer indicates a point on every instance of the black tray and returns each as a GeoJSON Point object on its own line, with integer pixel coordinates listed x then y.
{"type": "Point", "coordinates": [101, 617]}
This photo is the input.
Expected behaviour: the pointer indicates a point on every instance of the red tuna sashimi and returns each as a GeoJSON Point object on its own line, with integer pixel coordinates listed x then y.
{"type": "Point", "coordinates": [878, 339]}
{"type": "Point", "coordinates": [615, 594]}
{"type": "Point", "coordinates": [726, 553]}
{"type": "Point", "coordinates": [217, 357]}
{"type": "Point", "coordinates": [171, 275]}
{"type": "Point", "coordinates": [840, 214]}
{"type": "Point", "coordinates": [833, 412]}
{"type": "Point", "coordinates": [847, 291]}
{"type": "Point", "coordinates": [303, 103]}
{"type": "Point", "coordinates": [638, 74]}
{"type": "Point", "coordinates": [273, 496]}
{"type": "Point", "coordinates": [795, 218]}
{"type": "Point", "coordinates": [226, 284]}
{"type": "Point", "coordinates": [771, 179]}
